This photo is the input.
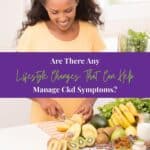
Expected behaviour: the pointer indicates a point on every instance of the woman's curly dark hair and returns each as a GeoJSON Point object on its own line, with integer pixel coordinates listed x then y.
{"type": "Point", "coordinates": [87, 10]}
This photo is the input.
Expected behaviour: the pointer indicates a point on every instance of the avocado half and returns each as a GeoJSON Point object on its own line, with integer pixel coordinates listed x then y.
{"type": "Point", "coordinates": [99, 121]}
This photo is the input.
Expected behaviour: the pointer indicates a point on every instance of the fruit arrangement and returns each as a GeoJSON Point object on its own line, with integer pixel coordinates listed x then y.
{"type": "Point", "coordinates": [77, 135]}
{"type": "Point", "coordinates": [124, 115]}
{"type": "Point", "coordinates": [114, 128]}
{"type": "Point", "coordinates": [141, 105]}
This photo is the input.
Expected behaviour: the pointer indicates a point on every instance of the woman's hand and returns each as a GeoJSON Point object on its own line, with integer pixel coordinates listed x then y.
{"type": "Point", "coordinates": [86, 109]}
{"type": "Point", "coordinates": [51, 107]}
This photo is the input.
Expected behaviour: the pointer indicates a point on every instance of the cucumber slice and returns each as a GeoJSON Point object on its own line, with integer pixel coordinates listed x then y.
{"type": "Point", "coordinates": [90, 141]}
{"type": "Point", "coordinates": [81, 142]}
{"type": "Point", "coordinates": [73, 145]}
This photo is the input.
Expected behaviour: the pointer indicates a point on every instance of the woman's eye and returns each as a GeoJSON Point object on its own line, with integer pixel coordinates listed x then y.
{"type": "Point", "coordinates": [54, 12]}
{"type": "Point", "coordinates": [68, 10]}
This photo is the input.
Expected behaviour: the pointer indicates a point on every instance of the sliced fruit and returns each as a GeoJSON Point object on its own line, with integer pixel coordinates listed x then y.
{"type": "Point", "coordinates": [69, 122]}
{"type": "Point", "coordinates": [88, 130]}
{"type": "Point", "coordinates": [53, 144]}
{"type": "Point", "coordinates": [127, 113]}
{"type": "Point", "coordinates": [111, 124]}
{"type": "Point", "coordinates": [73, 145]}
{"type": "Point", "coordinates": [59, 145]}
{"type": "Point", "coordinates": [122, 118]}
{"type": "Point", "coordinates": [131, 130]}
{"type": "Point", "coordinates": [119, 120]}
{"type": "Point", "coordinates": [62, 127]}
{"type": "Point", "coordinates": [63, 144]}
{"type": "Point", "coordinates": [90, 141]}
{"type": "Point", "coordinates": [99, 121]}
{"type": "Point", "coordinates": [73, 132]}
{"type": "Point", "coordinates": [124, 121]}
{"type": "Point", "coordinates": [132, 108]}
{"type": "Point", "coordinates": [115, 119]}
{"type": "Point", "coordinates": [117, 110]}
{"type": "Point", "coordinates": [78, 118]}
{"type": "Point", "coordinates": [81, 142]}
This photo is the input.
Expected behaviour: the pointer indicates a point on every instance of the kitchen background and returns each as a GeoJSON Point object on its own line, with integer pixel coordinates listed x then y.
{"type": "Point", "coordinates": [118, 15]}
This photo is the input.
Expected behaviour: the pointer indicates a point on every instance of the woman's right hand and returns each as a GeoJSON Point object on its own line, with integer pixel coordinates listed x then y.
{"type": "Point", "coordinates": [51, 107]}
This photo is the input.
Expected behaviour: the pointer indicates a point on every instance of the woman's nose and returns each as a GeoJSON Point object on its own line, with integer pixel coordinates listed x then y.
{"type": "Point", "coordinates": [62, 17]}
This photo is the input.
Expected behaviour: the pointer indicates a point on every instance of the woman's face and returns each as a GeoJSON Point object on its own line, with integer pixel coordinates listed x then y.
{"type": "Point", "coordinates": [61, 13]}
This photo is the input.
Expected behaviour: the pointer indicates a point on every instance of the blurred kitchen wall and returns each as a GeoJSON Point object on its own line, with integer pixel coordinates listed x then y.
{"type": "Point", "coordinates": [125, 14]}
{"type": "Point", "coordinates": [14, 112]}
{"type": "Point", "coordinates": [11, 15]}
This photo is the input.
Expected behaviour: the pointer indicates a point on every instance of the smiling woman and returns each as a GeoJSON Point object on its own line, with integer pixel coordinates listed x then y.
{"type": "Point", "coordinates": [62, 16]}
{"type": "Point", "coordinates": [61, 26]}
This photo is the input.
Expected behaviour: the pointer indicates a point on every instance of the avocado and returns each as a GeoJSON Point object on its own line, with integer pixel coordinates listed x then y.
{"type": "Point", "coordinates": [99, 121]}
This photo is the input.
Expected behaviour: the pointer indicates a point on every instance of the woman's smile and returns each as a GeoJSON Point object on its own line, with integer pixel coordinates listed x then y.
{"type": "Point", "coordinates": [63, 24]}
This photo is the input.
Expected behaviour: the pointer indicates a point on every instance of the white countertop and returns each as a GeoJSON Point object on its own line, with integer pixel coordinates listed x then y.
{"type": "Point", "coordinates": [28, 137]}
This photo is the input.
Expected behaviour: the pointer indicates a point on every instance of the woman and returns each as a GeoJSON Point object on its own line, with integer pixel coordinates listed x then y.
{"type": "Point", "coordinates": [61, 26]}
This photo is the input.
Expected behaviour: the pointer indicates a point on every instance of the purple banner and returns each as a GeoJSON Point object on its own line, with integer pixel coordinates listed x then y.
{"type": "Point", "coordinates": [75, 75]}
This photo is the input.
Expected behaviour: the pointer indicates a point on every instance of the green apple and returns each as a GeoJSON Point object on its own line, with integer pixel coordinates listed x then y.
{"type": "Point", "coordinates": [118, 133]}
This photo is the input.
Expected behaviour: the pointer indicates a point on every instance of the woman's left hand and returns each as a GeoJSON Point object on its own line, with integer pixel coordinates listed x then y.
{"type": "Point", "coordinates": [86, 109]}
